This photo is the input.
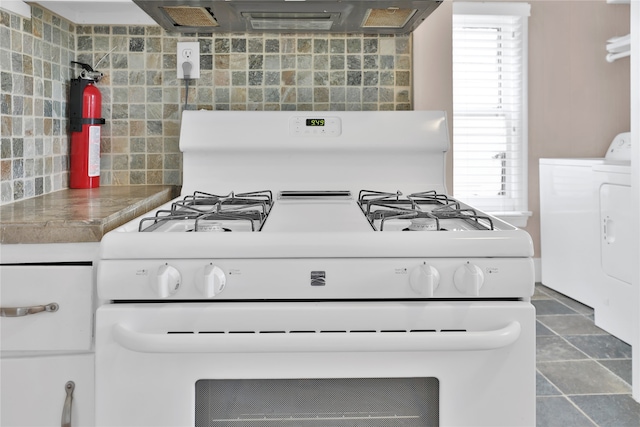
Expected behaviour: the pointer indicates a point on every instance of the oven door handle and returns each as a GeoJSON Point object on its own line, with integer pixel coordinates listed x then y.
{"type": "Point", "coordinates": [316, 342]}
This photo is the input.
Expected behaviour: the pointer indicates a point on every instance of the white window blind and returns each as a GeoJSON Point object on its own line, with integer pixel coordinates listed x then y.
{"type": "Point", "coordinates": [490, 105]}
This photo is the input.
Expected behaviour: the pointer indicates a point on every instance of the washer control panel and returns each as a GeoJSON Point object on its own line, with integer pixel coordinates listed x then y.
{"type": "Point", "coordinates": [620, 148]}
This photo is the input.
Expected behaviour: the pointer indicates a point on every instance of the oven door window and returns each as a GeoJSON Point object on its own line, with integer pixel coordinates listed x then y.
{"type": "Point", "coordinates": [362, 402]}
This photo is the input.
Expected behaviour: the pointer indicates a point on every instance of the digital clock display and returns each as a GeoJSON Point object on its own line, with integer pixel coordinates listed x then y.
{"type": "Point", "coordinates": [315, 122]}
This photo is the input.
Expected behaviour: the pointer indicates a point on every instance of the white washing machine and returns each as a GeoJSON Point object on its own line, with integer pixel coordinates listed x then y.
{"type": "Point", "coordinates": [569, 247]}
{"type": "Point", "coordinates": [617, 247]}
{"type": "Point", "coordinates": [570, 225]}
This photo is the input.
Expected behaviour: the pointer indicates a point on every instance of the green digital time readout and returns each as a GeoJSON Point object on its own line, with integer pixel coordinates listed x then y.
{"type": "Point", "coordinates": [315, 122]}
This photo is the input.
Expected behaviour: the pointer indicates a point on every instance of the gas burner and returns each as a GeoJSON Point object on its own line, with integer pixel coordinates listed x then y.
{"type": "Point", "coordinates": [204, 212]}
{"type": "Point", "coordinates": [423, 211]}
{"type": "Point", "coordinates": [210, 226]}
{"type": "Point", "coordinates": [423, 224]}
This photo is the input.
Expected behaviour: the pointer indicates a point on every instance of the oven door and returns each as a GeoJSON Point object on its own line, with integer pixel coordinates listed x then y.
{"type": "Point", "coordinates": [379, 364]}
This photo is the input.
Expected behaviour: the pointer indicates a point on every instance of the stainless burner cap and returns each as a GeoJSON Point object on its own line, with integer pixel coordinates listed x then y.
{"type": "Point", "coordinates": [211, 227]}
{"type": "Point", "coordinates": [423, 224]}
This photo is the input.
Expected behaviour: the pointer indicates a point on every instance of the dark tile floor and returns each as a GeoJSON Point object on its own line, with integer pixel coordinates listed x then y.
{"type": "Point", "coordinates": [584, 374]}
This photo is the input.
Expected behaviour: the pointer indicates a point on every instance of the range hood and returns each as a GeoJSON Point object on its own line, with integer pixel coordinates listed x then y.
{"type": "Point", "coordinates": [289, 16]}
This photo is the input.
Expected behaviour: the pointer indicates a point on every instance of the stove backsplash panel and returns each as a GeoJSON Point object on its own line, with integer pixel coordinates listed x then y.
{"type": "Point", "coordinates": [143, 99]}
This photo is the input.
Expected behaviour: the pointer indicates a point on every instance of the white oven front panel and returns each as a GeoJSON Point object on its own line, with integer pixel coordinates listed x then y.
{"type": "Point", "coordinates": [322, 278]}
{"type": "Point", "coordinates": [151, 358]}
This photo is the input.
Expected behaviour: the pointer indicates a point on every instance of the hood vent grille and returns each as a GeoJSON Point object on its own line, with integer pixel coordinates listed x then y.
{"type": "Point", "coordinates": [188, 16]}
{"type": "Point", "coordinates": [283, 21]}
{"type": "Point", "coordinates": [387, 18]}
{"type": "Point", "coordinates": [288, 16]}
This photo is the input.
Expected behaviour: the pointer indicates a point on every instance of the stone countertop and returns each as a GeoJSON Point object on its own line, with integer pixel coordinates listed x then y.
{"type": "Point", "coordinates": [78, 215]}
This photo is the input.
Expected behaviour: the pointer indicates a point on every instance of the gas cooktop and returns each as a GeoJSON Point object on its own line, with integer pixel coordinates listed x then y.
{"type": "Point", "coordinates": [315, 211]}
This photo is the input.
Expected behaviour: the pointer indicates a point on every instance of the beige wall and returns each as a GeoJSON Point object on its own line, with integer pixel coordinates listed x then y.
{"type": "Point", "coordinates": [577, 100]}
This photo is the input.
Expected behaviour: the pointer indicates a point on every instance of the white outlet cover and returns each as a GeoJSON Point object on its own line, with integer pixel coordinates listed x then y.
{"type": "Point", "coordinates": [188, 51]}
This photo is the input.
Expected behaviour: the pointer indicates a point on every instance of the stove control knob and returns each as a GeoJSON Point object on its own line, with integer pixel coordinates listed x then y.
{"type": "Point", "coordinates": [424, 280]}
{"type": "Point", "coordinates": [469, 279]}
{"type": "Point", "coordinates": [167, 281]}
{"type": "Point", "coordinates": [211, 281]}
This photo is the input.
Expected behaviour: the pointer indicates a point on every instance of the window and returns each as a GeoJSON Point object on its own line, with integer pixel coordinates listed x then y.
{"type": "Point", "coordinates": [490, 107]}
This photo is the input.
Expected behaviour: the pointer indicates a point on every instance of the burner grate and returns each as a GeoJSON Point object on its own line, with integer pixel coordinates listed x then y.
{"type": "Point", "coordinates": [204, 209]}
{"type": "Point", "coordinates": [381, 207]}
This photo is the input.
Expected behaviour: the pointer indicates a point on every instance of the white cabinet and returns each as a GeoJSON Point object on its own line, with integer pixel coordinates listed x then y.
{"type": "Point", "coordinates": [33, 391]}
{"type": "Point", "coordinates": [99, 12]}
{"type": "Point", "coordinates": [44, 350]}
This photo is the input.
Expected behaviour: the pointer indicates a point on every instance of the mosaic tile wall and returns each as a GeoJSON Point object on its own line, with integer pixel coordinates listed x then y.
{"type": "Point", "coordinates": [34, 74]}
{"type": "Point", "coordinates": [143, 99]}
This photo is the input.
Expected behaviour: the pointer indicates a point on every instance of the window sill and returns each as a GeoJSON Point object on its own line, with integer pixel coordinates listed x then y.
{"type": "Point", "coordinates": [517, 219]}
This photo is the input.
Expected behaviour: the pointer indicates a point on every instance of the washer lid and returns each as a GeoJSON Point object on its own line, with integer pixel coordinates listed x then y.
{"type": "Point", "coordinates": [622, 167]}
{"type": "Point", "coordinates": [573, 161]}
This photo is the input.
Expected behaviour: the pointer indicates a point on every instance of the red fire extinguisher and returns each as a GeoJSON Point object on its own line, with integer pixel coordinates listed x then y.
{"type": "Point", "coordinates": [85, 109]}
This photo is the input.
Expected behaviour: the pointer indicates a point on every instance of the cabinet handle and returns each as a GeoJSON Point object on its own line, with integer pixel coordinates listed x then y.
{"type": "Point", "coordinates": [66, 409]}
{"type": "Point", "coordinates": [24, 311]}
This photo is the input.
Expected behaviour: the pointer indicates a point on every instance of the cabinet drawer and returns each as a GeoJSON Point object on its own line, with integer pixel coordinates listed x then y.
{"type": "Point", "coordinates": [67, 328]}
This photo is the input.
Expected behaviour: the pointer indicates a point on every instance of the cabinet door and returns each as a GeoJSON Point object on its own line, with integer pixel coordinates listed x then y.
{"type": "Point", "coordinates": [99, 12]}
{"type": "Point", "coordinates": [33, 390]}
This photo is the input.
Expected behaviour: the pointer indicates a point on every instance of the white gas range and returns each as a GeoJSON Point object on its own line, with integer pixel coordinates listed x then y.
{"type": "Point", "coordinates": [314, 255]}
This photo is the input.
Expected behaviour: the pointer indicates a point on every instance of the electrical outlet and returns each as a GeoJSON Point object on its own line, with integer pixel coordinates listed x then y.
{"type": "Point", "coordinates": [189, 52]}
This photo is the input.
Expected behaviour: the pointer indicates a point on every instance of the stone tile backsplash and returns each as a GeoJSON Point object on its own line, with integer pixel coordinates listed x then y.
{"type": "Point", "coordinates": [34, 75]}
{"type": "Point", "coordinates": [143, 98]}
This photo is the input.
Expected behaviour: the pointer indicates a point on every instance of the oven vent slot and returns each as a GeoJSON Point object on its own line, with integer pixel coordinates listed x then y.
{"type": "Point", "coordinates": [329, 331]}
